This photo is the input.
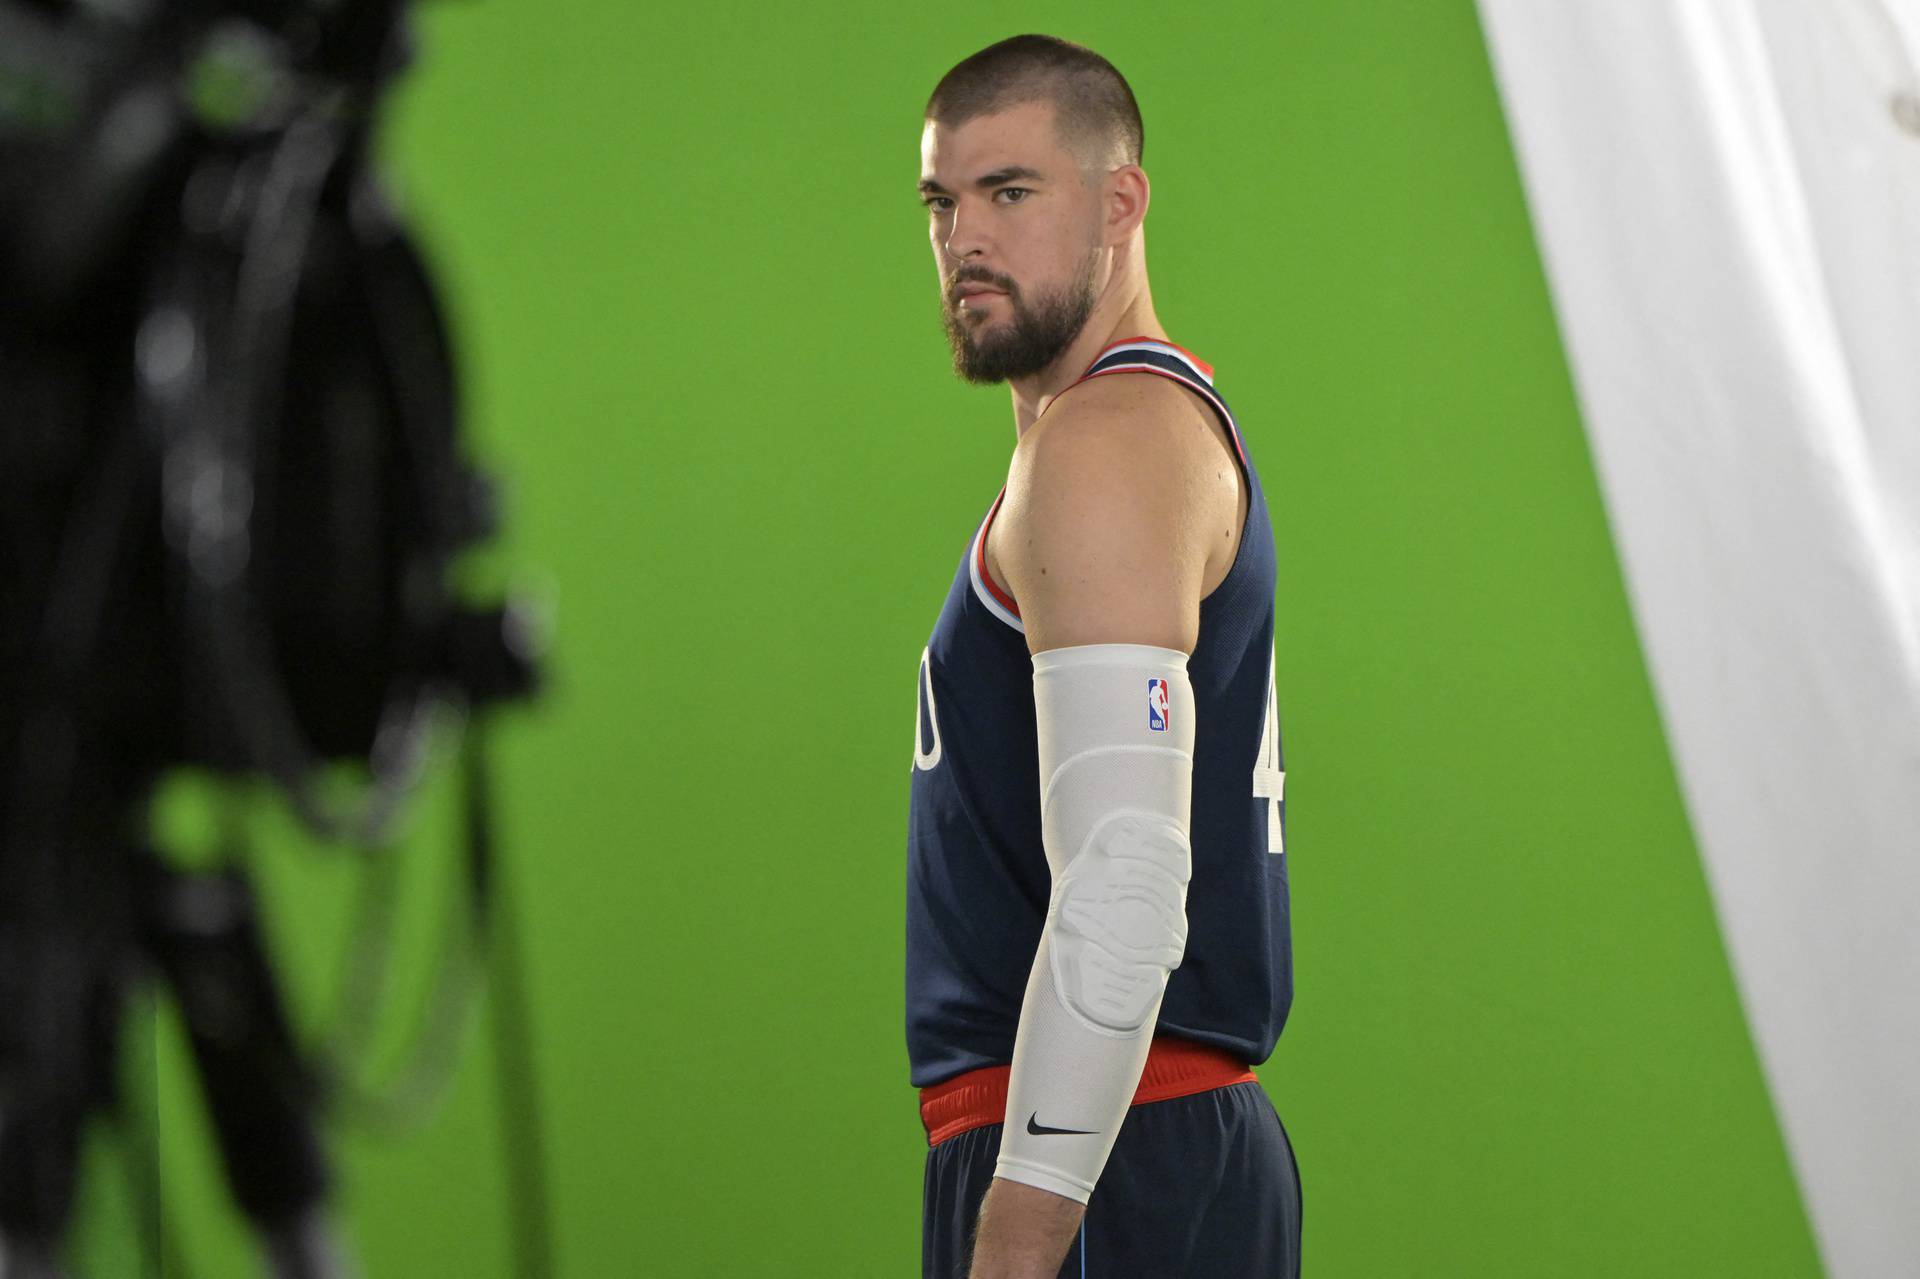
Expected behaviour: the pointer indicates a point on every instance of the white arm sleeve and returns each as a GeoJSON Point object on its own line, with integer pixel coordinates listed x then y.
{"type": "Point", "coordinates": [1116, 736]}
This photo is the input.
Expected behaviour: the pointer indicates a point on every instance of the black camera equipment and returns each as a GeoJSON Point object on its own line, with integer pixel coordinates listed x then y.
{"type": "Point", "coordinates": [230, 496]}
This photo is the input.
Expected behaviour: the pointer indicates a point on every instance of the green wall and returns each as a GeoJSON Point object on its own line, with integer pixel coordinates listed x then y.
{"type": "Point", "coordinates": [699, 316]}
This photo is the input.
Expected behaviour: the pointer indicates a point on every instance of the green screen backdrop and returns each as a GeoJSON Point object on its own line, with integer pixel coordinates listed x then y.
{"type": "Point", "coordinates": [699, 323]}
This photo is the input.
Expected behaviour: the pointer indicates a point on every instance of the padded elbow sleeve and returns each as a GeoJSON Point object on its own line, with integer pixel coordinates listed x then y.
{"type": "Point", "coordinates": [1119, 921]}
{"type": "Point", "coordinates": [1116, 736]}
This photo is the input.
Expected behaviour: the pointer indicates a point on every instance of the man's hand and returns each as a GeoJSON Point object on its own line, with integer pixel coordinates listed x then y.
{"type": "Point", "coordinates": [1024, 1232]}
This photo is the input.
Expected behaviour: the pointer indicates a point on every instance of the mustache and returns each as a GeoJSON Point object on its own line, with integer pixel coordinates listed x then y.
{"type": "Point", "coordinates": [979, 276]}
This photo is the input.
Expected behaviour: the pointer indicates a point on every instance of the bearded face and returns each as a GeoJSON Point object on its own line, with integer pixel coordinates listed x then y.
{"type": "Point", "coordinates": [1014, 334]}
{"type": "Point", "coordinates": [1018, 227]}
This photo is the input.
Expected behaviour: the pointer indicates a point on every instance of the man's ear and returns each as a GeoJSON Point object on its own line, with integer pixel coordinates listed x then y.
{"type": "Point", "coordinates": [1127, 195]}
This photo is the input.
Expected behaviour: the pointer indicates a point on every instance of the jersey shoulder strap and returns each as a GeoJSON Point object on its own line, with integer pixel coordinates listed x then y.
{"type": "Point", "coordinates": [1130, 354]}
{"type": "Point", "coordinates": [1153, 355]}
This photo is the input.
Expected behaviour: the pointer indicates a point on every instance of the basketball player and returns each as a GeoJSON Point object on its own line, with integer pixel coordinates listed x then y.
{"type": "Point", "coordinates": [1097, 928]}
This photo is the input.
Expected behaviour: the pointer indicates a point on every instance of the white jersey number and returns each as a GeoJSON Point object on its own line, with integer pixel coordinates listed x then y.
{"type": "Point", "coordinates": [1269, 782]}
{"type": "Point", "coordinates": [925, 760]}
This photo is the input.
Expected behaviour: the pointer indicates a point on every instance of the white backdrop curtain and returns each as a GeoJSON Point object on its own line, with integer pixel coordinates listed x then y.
{"type": "Point", "coordinates": [1727, 199]}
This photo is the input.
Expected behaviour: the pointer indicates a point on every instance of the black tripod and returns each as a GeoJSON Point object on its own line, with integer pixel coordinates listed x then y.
{"type": "Point", "coordinates": [87, 912]}
{"type": "Point", "coordinates": [229, 495]}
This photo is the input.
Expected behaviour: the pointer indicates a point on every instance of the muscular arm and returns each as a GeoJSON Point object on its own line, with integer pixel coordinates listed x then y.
{"type": "Point", "coordinates": [1113, 503]}
{"type": "Point", "coordinates": [1105, 534]}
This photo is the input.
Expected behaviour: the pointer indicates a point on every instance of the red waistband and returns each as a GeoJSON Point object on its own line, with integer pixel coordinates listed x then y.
{"type": "Point", "coordinates": [1175, 1068]}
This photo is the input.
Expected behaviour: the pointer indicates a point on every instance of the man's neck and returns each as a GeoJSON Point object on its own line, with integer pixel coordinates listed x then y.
{"type": "Point", "coordinates": [1115, 317]}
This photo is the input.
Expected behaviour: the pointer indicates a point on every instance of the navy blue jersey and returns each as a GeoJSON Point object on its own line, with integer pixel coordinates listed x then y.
{"type": "Point", "coordinates": [977, 875]}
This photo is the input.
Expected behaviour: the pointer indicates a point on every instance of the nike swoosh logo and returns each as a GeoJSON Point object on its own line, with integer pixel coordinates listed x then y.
{"type": "Point", "coordinates": [1041, 1130]}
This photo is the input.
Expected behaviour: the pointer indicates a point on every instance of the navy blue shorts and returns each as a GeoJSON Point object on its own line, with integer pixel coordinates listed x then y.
{"type": "Point", "coordinates": [1202, 1185]}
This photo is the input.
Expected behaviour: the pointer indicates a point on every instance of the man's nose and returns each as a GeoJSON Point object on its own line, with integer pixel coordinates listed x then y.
{"type": "Point", "coordinates": [965, 242]}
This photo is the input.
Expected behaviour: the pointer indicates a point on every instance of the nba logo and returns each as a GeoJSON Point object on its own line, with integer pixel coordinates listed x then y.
{"type": "Point", "coordinates": [1157, 704]}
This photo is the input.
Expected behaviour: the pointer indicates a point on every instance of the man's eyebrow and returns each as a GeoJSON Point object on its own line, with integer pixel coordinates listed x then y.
{"type": "Point", "coordinates": [1012, 173]}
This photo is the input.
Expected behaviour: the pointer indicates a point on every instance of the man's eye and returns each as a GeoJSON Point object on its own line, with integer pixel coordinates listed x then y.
{"type": "Point", "coordinates": [1017, 193]}
{"type": "Point", "coordinates": [937, 203]}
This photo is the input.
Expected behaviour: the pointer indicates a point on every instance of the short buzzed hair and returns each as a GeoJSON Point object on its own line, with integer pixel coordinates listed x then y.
{"type": "Point", "coordinates": [1094, 110]}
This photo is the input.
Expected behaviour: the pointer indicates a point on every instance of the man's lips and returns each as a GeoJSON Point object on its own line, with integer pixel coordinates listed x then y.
{"type": "Point", "coordinates": [979, 293]}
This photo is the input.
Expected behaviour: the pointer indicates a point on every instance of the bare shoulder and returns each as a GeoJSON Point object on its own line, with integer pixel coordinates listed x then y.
{"type": "Point", "coordinates": [1118, 441]}
{"type": "Point", "coordinates": [1118, 503]}
{"type": "Point", "coordinates": [1119, 412]}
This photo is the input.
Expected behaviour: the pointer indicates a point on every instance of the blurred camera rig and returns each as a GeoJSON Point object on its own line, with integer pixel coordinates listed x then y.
{"type": "Point", "coordinates": [231, 493]}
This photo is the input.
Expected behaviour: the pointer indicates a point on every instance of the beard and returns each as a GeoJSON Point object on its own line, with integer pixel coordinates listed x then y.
{"type": "Point", "coordinates": [1032, 339]}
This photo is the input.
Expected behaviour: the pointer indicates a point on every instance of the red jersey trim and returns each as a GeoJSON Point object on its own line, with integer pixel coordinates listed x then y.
{"type": "Point", "coordinates": [1199, 363]}
{"type": "Point", "coordinates": [1175, 1068]}
{"type": "Point", "coordinates": [980, 554]}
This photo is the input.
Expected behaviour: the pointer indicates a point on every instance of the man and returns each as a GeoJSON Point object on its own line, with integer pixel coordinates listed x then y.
{"type": "Point", "coordinates": [1096, 796]}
